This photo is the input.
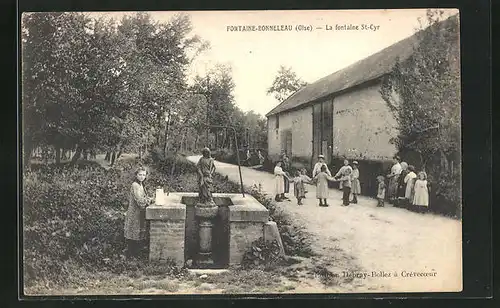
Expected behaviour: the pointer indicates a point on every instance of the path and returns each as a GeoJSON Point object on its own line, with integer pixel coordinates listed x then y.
{"type": "Point", "coordinates": [389, 239]}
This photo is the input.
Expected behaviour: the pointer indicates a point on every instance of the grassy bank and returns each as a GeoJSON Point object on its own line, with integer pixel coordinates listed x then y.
{"type": "Point", "coordinates": [73, 234]}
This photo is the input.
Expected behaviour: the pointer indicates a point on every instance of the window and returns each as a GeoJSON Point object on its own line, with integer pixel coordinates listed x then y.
{"type": "Point", "coordinates": [277, 121]}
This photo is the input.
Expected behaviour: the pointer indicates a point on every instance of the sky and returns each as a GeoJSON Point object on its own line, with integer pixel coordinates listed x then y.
{"type": "Point", "coordinates": [255, 56]}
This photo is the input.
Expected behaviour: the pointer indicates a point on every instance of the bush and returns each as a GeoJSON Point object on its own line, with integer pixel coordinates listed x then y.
{"type": "Point", "coordinates": [226, 156]}
{"type": "Point", "coordinates": [262, 253]}
{"type": "Point", "coordinates": [445, 196]}
{"type": "Point", "coordinates": [73, 214]}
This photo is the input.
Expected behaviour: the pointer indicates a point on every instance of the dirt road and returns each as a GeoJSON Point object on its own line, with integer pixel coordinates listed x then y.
{"type": "Point", "coordinates": [384, 249]}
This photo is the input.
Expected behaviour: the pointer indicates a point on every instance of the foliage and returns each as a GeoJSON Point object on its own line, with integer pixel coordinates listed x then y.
{"type": "Point", "coordinates": [262, 253]}
{"type": "Point", "coordinates": [94, 83]}
{"type": "Point", "coordinates": [424, 92]}
{"type": "Point", "coordinates": [71, 214]}
{"type": "Point", "coordinates": [285, 83]}
{"type": "Point", "coordinates": [75, 216]}
{"type": "Point", "coordinates": [295, 239]}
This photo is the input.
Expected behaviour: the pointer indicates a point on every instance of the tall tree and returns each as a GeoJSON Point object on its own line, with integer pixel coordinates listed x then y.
{"type": "Point", "coordinates": [285, 83]}
{"type": "Point", "coordinates": [89, 82]}
{"type": "Point", "coordinates": [424, 92]}
{"type": "Point", "coordinates": [217, 87]}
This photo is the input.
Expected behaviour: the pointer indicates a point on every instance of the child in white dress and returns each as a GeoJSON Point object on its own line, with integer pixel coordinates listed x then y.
{"type": "Point", "coordinates": [421, 193]}
{"type": "Point", "coordinates": [321, 180]}
{"type": "Point", "coordinates": [410, 183]}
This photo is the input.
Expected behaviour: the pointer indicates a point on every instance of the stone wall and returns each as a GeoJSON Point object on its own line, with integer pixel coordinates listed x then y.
{"type": "Point", "coordinates": [173, 230]}
{"type": "Point", "coordinates": [167, 240]}
{"type": "Point", "coordinates": [300, 124]}
{"type": "Point", "coordinates": [167, 232]}
{"type": "Point", "coordinates": [363, 125]}
{"type": "Point", "coordinates": [242, 235]}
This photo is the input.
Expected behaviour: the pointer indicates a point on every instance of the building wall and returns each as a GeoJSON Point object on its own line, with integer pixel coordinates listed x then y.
{"type": "Point", "coordinates": [363, 124]}
{"type": "Point", "coordinates": [300, 124]}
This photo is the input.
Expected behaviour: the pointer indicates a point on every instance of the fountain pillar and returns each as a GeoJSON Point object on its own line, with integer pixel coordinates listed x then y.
{"type": "Point", "coordinates": [205, 213]}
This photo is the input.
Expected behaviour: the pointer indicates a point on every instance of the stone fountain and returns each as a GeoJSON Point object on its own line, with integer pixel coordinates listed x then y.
{"type": "Point", "coordinates": [209, 230]}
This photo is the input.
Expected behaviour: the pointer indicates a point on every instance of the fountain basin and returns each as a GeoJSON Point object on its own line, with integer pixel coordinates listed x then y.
{"type": "Point", "coordinates": [238, 222]}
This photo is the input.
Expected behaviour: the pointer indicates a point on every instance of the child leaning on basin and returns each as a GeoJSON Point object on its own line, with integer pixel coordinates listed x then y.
{"type": "Point", "coordinates": [135, 219]}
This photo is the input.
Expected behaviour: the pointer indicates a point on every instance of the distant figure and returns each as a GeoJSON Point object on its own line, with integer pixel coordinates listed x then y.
{"type": "Point", "coordinates": [410, 183]}
{"type": "Point", "coordinates": [344, 177]}
{"type": "Point", "coordinates": [286, 168]}
{"type": "Point", "coordinates": [401, 189]}
{"type": "Point", "coordinates": [317, 166]}
{"type": "Point", "coordinates": [249, 156]}
{"type": "Point", "coordinates": [261, 157]}
{"type": "Point", "coordinates": [380, 191]}
{"type": "Point", "coordinates": [393, 178]}
{"type": "Point", "coordinates": [421, 196]}
{"type": "Point", "coordinates": [279, 182]}
{"type": "Point", "coordinates": [299, 186]}
{"type": "Point", "coordinates": [356, 186]}
{"type": "Point", "coordinates": [321, 180]}
{"type": "Point", "coordinates": [205, 169]}
{"type": "Point", "coordinates": [135, 219]}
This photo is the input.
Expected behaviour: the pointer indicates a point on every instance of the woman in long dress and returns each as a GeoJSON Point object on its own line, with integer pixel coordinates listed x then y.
{"type": "Point", "coordinates": [135, 219]}
{"type": "Point", "coordinates": [279, 182]}
{"type": "Point", "coordinates": [286, 168]}
{"type": "Point", "coordinates": [393, 179]}
{"type": "Point", "coordinates": [401, 189]}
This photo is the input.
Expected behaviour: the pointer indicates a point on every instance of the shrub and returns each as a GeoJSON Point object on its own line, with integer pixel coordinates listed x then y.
{"type": "Point", "coordinates": [71, 214]}
{"type": "Point", "coordinates": [225, 155]}
{"type": "Point", "coordinates": [262, 253]}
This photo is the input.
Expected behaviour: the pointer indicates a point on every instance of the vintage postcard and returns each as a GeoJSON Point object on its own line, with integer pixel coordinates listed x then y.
{"type": "Point", "coordinates": [241, 152]}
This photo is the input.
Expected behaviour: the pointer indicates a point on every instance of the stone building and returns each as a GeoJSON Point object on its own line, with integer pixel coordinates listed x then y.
{"type": "Point", "coordinates": [341, 115]}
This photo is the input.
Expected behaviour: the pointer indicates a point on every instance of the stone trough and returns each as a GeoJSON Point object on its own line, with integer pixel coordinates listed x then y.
{"type": "Point", "coordinates": [174, 228]}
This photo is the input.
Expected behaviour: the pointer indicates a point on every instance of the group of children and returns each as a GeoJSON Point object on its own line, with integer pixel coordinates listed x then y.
{"type": "Point", "coordinates": [406, 188]}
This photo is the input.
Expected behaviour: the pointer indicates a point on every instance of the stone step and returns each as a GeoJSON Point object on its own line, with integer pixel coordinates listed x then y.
{"type": "Point", "coordinates": [207, 271]}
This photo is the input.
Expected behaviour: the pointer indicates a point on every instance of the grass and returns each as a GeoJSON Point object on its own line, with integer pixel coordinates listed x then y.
{"type": "Point", "coordinates": [145, 277]}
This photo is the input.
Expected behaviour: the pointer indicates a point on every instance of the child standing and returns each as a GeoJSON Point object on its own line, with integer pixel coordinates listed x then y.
{"type": "Point", "coordinates": [421, 194]}
{"type": "Point", "coordinates": [410, 183]}
{"type": "Point", "coordinates": [356, 186]}
{"type": "Point", "coordinates": [303, 171]}
{"type": "Point", "coordinates": [344, 177]}
{"type": "Point", "coordinates": [135, 220]}
{"type": "Point", "coordinates": [279, 182]}
{"type": "Point", "coordinates": [322, 179]}
{"type": "Point", "coordinates": [380, 191]}
{"type": "Point", "coordinates": [298, 186]}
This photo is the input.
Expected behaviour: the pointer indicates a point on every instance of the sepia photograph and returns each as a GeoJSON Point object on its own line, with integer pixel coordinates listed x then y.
{"type": "Point", "coordinates": [240, 152]}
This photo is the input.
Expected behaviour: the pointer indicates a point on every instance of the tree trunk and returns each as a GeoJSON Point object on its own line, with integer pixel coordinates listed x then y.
{"type": "Point", "coordinates": [107, 157]}
{"type": "Point", "coordinates": [196, 142]}
{"type": "Point", "coordinates": [28, 148]}
{"type": "Point", "coordinates": [77, 155]}
{"type": "Point", "coordinates": [444, 161]}
{"type": "Point", "coordinates": [175, 156]}
{"type": "Point", "coordinates": [113, 157]}
{"type": "Point", "coordinates": [58, 155]}
{"type": "Point", "coordinates": [119, 154]}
